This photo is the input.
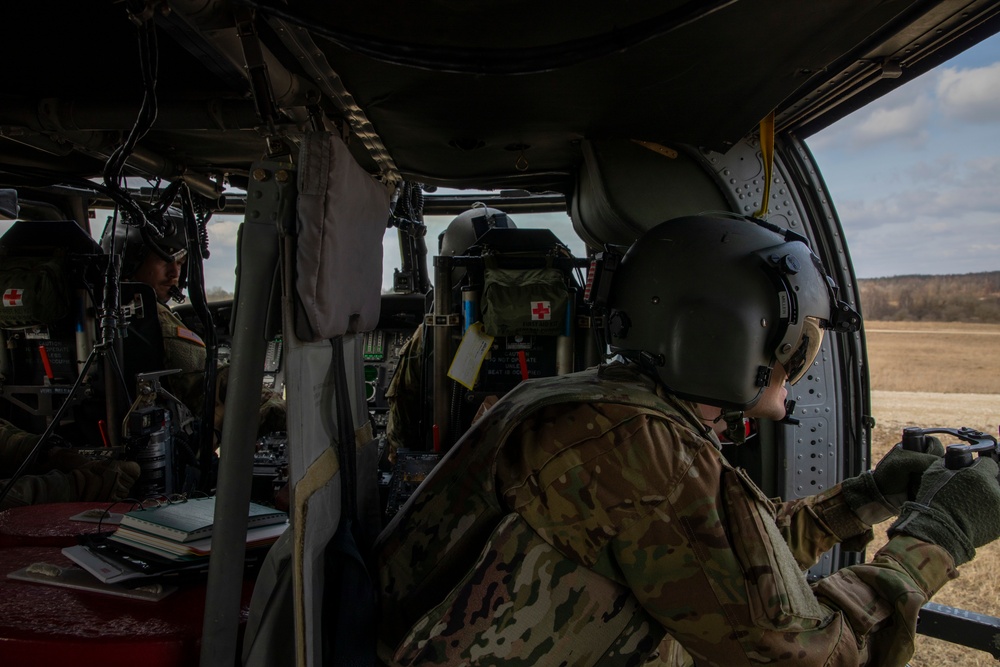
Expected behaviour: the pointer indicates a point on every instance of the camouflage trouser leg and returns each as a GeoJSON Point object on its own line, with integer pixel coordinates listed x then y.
{"type": "Point", "coordinates": [52, 487]}
{"type": "Point", "coordinates": [15, 444]}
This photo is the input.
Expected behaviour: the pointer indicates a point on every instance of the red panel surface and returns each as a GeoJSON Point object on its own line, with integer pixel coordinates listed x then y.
{"type": "Point", "coordinates": [49, 525]}
{"type": "Point", "coordinates": [47, 625]}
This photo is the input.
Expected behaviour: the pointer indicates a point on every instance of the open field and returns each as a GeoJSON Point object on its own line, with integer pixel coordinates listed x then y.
{"type": "Point", "coordinates": [944, 357]}
{"type": "Point", "coordinates": [940, 374]}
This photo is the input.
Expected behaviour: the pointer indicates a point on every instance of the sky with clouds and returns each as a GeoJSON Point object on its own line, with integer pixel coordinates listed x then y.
{"type": "Point", "coordinates": [915, 178]}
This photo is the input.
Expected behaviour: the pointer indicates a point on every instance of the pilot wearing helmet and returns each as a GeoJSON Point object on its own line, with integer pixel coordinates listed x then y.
{"type": "Point", "coordinates": [591, 519]}
{"type": "Point", "coordinates": [160, 263]}
{"type": "Point", "coordinates": [405, 393]}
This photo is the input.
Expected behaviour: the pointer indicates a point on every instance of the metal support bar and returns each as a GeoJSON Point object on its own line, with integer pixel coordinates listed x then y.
{"type": "Point", "coordinates": [442, 350]}
{"type": "Point", "coordinates": [270, 201]}
{"type": "Point", "coordinates": [959, 626]}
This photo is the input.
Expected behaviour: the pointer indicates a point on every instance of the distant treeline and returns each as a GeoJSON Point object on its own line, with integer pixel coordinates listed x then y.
{"type": "Point", "coordinates": [970, 297]}
{"type": "Point", "coordinates": [217, 294]}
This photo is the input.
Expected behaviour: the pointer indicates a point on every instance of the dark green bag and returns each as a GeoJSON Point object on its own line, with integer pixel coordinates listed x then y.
{"type": "Point", "coordinates": [524, 302]}
{"type": "Point", "coordinates": [33, 291]}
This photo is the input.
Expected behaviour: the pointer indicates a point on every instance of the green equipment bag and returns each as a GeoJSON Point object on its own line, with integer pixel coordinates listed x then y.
{"type": "Point", "coordinates": [524, 302]}
{"type": "Point", "coordinates": [33, 291]}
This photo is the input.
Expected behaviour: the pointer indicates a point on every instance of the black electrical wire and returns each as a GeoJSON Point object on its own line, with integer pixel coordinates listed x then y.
{"type": "Point", "coordinates": [114, 168]}
{"type": "Point", "coordinates": [197, 251]}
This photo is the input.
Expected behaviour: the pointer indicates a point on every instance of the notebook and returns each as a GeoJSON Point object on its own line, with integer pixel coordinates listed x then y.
{"type": "Point", "coordinates": [192, 519]}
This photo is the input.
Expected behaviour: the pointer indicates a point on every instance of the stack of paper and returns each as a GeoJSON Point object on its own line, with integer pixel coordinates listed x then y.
{"type": "Point", "coordinates": [169, 540]}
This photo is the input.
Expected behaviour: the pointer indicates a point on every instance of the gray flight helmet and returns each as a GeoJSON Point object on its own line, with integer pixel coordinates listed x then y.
{"type": "Point", "coordinates": [464, 231]}
{"type": "Point", "coordinates": [466, 228]}
{"type": "Point", "coordinates": [711, 303]}
{"type": "Point", "coordinates": [135, 244]}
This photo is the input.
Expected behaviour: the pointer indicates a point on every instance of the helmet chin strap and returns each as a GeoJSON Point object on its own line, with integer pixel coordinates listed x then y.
{"type": "Point", "coordinates": [735, 431]}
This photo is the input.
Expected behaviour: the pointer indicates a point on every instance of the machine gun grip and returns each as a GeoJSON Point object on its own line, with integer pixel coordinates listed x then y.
{"type": "Point", "coordinates": [914, 439]}
{"type": "Point", "coordinates": [957, 457]}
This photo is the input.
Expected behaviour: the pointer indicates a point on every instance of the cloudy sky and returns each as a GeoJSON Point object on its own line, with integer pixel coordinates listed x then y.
{"type": "Point", "coordinates": [915, 178]}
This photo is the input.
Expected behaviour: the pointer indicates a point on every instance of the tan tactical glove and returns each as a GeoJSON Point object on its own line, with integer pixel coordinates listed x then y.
{"type": "Point", "coordinates": [105, 479]}
{"type": "Point", "coordinates": [65, 459]}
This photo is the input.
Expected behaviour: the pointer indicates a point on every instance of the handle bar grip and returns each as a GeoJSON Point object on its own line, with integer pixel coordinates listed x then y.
{"type": "Point", "coordinates": [914, 439]}
{"type": "Point", "coordinates": [957, 457]}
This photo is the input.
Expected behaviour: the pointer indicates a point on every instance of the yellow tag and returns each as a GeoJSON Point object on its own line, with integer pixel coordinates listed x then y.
{"type": "Point", "coordinates": [469, 358]}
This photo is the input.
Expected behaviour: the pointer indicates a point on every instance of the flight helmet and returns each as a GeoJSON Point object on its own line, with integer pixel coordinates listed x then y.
{"type": "Point", "coordinates": [465, 230]}
{"type": "Point", "coordinates": [711, 303]}
{"type": "Point", "coordinates": [135, 243]}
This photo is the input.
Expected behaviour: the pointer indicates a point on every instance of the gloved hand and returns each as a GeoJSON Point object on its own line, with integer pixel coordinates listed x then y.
{"type": "Point", "coordinates": [894, 480]}
{"type": "Point", "coordinates": [105, 479]}
{"type": "Point", "coordinates": [65, 459]}
{"type": "Point", "coordinates": [957, 510]}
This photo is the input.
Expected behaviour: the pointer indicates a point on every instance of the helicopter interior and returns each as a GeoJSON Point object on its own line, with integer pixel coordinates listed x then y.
{"type": "Point", "coordinates": [322, 124]}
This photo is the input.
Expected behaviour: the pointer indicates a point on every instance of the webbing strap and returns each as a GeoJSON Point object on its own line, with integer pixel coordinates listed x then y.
{"type": "Point", "coordinates": [767, 153]}
{"type": "Point", "coordinates": [346, 445]}
{"type": "Point", "coordinates": [349, 599]}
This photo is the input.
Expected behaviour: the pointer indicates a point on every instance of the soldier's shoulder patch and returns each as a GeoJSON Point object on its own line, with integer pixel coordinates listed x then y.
{"type": "Point", "coordinates": [187, 334]}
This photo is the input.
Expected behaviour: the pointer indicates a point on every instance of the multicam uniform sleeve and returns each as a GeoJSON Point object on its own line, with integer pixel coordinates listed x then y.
{"type": "Point", "coordinates": [811, 526]}
{"type": "Point", "coordinates": [404, 395]}
{"type": "Point", "coordinates": [708, 561]}
{"type": "Point", "coordinates": [183, 349]}
{"type": "Point", "coordinates": [15, 445]}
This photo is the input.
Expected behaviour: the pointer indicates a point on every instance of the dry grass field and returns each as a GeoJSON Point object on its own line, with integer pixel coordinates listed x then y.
{"type": "Point", "coordinates": [946, 357]}
{"type": "Point", "coordinates": [940, 374]}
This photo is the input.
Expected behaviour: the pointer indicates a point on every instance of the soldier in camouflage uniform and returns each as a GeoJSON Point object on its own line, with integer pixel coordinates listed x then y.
{"type": "Point", "coordinates": [74, 478]}
{"type": "Point", "coordinates": [405, 394]}
{"type": "Point", "coordinates": [590, 519]}
{"type": "Point", "coordinates": [183, 349]}
{"type": "Point", "coordinates": [71, 477]}
{"type": "Point", "coordinates": [405, 397]}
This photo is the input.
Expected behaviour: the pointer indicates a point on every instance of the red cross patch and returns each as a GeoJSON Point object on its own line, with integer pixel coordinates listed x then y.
{"type": "Point", "coordinates": [13, 297]}
{"type": "Point", "coordinates": [541, 310]}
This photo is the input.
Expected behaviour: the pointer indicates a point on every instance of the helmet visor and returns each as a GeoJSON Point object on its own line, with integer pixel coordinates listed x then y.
{"type": "Point", "coordinates": [178, 256]}
{"type": "Point", "coordinates": [804, 355]}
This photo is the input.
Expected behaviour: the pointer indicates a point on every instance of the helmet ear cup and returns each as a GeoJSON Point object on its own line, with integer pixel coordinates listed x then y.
{"type": "Point", "coordinates": [706, 348]}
